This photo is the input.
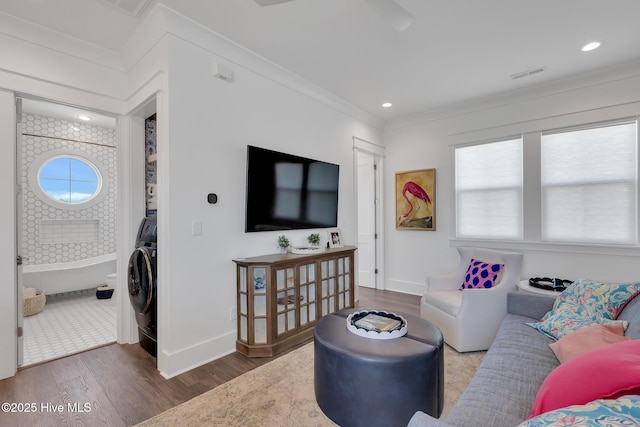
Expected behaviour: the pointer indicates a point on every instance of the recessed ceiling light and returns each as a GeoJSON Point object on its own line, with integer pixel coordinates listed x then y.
{"type": "Point", "coordinates": [84, 117]}
{"type": "Point", "coordinates": [387, 104]}
{"type": "Point", "coordinates": [590, 46]}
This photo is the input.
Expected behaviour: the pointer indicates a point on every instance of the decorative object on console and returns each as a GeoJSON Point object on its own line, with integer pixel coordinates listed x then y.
{"type": "Point", "coordinates": [314, 239]}
{"type": "Point", "coordinates": [415, 200]}
{"type": "Point", "coordinates": [307, 250]}
{"type": "Point", "coordinates": [283, 243]}
{"type": "Point", "coordinates": [335, 238]}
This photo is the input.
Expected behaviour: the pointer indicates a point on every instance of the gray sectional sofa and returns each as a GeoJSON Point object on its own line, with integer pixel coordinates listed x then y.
{"type": "Point", "coordinates": [504, 388]}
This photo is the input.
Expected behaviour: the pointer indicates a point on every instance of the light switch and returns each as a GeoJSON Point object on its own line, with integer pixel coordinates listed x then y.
{"type": "Point", "coordinates": [196, 228]}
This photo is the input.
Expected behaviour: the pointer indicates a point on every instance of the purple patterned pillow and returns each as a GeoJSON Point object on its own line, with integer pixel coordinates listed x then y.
{"type": "Point", "coordinates": [481, 275]}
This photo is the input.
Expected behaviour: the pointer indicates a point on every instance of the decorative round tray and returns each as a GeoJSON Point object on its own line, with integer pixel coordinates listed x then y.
{"type": "Point", "coordinates": [305, 250]}
{"type": "Point", "coordinates": [372, 324]}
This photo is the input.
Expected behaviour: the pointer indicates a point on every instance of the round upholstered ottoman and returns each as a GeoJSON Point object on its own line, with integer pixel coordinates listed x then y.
{"type": "Point", "coordinates": [367, 382]}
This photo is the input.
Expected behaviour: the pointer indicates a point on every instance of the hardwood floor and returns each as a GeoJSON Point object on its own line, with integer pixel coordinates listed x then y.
{"type": "Point", "coordinates": [121, 386]}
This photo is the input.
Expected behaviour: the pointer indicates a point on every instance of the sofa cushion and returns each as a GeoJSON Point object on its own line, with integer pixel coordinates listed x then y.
{"type": "Point", "coordinates": [631, 314]}
{"type": "Point", "coordinates": [588, 338]}
{"type": "Point", "coordinates": [624, 411]}
{"type": "Point", "coordinates": [558, 323]}
{"type": "Point", "coordinates": [584, 303]}
{"type": "Point", "coordinates": [481, 275]}
{"type": "Point", "coordinates": [447, 301]}
{"type": "Point", "coordinates": [596, 298]}
{"type": "Point", "coordinates": [607, 372]}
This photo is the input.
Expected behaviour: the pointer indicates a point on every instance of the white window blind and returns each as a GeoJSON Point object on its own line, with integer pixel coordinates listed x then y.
{"type": "Point", "coordinates": [489, 190]}
{"type": "Point", "coordinates": [589, 184]}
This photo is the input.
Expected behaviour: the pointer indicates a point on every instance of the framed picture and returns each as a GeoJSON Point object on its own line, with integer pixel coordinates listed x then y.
{"type": "Point", "coordinates": [335, 238]}
{"type": "Point", "coordinates": [416, 200]}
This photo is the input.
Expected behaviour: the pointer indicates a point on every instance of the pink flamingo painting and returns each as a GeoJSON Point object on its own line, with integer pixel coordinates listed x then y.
{"type": "Point", "coordinates": [415, 191]}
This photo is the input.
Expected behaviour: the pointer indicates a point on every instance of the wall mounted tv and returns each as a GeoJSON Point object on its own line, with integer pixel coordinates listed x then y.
{"type": "Point", "coordinates": [286, 192]}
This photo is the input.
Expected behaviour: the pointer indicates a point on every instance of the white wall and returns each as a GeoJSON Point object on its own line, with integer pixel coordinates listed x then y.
{"type": "Point", "coordinates": [70, 234]}
{"type": "Point", "coordinates": [424, 141]}
{"type": "Point", "coordinates": [211, 122]}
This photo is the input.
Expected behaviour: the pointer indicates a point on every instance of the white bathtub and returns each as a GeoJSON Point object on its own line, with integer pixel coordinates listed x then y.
{"type": "Point", "coordinates": [69, 276]}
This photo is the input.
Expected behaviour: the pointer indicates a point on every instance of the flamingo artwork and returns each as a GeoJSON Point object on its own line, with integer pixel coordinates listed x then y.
{"type": "Point", "coordinates": [416, 191]}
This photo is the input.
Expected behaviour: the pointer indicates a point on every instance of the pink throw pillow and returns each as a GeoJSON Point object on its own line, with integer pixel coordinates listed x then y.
{"type": "Point", "coordinates": [481, 275]}
{"type": "Point", "coordinates": [604, 373]}
{"type": "Point", "coordinates": [586, 339]}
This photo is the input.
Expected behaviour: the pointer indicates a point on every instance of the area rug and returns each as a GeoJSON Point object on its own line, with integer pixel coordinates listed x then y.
{"type": "Point", "coordinates": [281, 393]}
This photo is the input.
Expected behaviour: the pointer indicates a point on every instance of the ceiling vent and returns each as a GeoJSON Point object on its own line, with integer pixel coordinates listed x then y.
{"type": "Point", "coordinates": [130, 7]}
{"type": "Point", "coordinates": [527, 73]}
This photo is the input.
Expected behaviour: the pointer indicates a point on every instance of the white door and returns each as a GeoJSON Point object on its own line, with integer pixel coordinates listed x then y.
{"type": "Point", "coordinates": [366, 190]}
{"type": "Point", "coordinates": [19, 248]}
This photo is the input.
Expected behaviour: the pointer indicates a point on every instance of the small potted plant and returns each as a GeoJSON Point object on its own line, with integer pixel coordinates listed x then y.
{"type": "Point", "coordinates": [314, 239]}
{"type": "Point", "coordinates": [283, 243]}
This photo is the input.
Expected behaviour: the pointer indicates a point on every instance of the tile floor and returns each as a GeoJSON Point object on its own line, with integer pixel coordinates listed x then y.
{"type": "Point", "coordinates": [69, 323]}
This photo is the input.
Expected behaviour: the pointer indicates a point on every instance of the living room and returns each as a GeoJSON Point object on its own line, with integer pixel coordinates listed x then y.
{"type": "Point", "coordinates": [208, 122]}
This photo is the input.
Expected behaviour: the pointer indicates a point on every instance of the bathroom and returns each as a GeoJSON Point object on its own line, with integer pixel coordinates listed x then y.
{"type": "Point", "coordinates": [67, 224]}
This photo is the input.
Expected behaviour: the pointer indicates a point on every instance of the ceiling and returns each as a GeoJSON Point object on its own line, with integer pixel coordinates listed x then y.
{"type": "Point", "coordinates": [454, 52]}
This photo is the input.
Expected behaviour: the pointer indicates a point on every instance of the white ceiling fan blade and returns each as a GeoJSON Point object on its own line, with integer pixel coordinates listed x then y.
{"type": "Point", "coordinates": [392, 13]}
{"type": "Point", "coordinates": [270, 2]}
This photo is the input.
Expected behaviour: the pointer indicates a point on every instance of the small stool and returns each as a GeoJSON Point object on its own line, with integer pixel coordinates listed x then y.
{"type": "Point", "coordinates": [367, 382]}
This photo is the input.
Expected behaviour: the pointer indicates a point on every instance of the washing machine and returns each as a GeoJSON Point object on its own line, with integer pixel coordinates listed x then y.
{"type": "Point", "coordinates": [142, 280]}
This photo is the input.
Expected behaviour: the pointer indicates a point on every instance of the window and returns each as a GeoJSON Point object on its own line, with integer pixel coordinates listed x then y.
{"type": "Point", "coordinates": [568, 189]}
{"type": "Point", "coordinates": [589, 184]}
{"type": "Point", "coordinates": [69, 179]}
{"type": "Point", "coordinates": [489, 190]}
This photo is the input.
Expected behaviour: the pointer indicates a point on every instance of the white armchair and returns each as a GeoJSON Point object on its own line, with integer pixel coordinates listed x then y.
{"type": "Point", "coordinates": [469, 319]}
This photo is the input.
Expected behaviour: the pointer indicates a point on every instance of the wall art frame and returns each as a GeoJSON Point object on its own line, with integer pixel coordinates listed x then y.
{"type": "Point", "coordinates": [416, 200]}
{"type": "Point", "coordinates": [334, 236]}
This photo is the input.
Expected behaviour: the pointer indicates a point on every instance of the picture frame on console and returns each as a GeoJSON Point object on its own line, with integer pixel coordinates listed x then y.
{"type": "Point", "coordinates": [416, 200]}
{"type": "Point", "coordinates": [335, 238]}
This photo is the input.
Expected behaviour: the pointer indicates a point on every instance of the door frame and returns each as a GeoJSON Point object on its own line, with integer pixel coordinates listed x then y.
{"type": "Point", "coordinates": [123, 318]}
{"type": "Point", "coordinates": [19, 237]}
{"type": "Point", "coordinates": [378, 153]}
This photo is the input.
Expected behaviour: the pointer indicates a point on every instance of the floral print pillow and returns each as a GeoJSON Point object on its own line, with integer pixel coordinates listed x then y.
{"type": "Point", "coordinates": [604, 299]}
{"type": "Point", "coordinates": [622, 412]}
{"type": "Point", "coordinates": [585, 303]}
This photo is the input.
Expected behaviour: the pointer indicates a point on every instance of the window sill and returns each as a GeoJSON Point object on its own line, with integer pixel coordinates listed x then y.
{"type": "Point", "coordinates": [593, 249]}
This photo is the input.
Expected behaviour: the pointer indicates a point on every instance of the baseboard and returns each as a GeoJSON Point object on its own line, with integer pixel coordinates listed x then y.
{"type": "Point", "coordinates": [404, 287]}
{"type": "Point", "coordinates": [176, 363]}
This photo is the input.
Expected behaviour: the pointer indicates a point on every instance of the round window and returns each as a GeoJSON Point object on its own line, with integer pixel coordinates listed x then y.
{"type": "Point", "coordinates": [69, 179]}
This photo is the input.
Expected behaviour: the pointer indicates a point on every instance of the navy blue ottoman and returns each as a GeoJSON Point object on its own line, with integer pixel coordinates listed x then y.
{"type": "Point", "coordinates": [367, 382]}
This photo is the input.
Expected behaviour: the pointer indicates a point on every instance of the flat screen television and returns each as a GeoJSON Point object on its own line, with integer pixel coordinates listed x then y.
{"type": "Point", "coordinates": [287, 192]}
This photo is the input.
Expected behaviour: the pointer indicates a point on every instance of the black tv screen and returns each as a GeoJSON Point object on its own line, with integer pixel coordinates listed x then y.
{"type": "Point", "coordinates": [287, 192]}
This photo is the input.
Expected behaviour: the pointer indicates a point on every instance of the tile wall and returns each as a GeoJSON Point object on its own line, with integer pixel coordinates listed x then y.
{"type": "Point", "coordinates": [81, 233]}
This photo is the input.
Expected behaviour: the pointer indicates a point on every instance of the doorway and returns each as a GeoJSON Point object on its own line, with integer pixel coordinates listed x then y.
{"type": "Point", "coordinates": [66, 229]}
{"type": "Point", "coordinates": [368, 190]}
